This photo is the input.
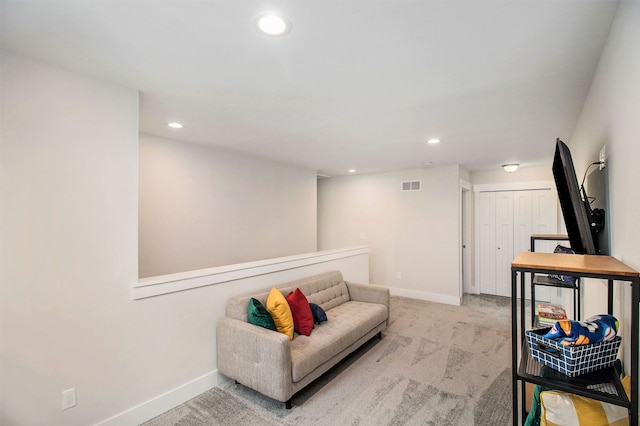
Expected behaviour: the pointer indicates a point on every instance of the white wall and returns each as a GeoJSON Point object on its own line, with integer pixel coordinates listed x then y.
{"type": "Point", "coordinates": [69, 246]}
{"type": "Point", "coordinates": [414, 233]}
{"type": "Point", "coordinates": [69, 238]}
{"type": "Point", "coordinates": [523, 174]}
{"type": "Point", "coordinates": [202, 207]}
{"type": "Point", "coordinates": [610, 117]}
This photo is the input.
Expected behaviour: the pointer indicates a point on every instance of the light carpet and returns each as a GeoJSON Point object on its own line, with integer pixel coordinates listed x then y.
{"type": "Point", "coordinates": [435, 365]}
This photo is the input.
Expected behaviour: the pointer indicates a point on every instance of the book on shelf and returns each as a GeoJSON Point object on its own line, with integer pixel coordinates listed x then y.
{"type": "Point", "coordinates": [546, 322]}
{"type": "Point", "coordinates": [553, 312]}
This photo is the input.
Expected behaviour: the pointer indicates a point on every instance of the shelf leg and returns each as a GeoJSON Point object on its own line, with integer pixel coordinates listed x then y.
{"type": "Point", "coordinates": [635, 298]}
{"type": "Point", "coordinates": [610, 298]}
{"type": "Point", "coordinates": [523, 315]}
{"type": "Point", "coordinates": [533, 301]}
{"type": "Point", "coordinates": [578, 314]}
{"type": "Point", "coordinates": [514, 346]}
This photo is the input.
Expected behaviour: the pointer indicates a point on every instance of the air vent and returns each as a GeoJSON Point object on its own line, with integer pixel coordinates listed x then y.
{"type": "Point", "coordinates": [412, 185]}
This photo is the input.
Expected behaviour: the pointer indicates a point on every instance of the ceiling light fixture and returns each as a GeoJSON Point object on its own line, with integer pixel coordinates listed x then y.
{"type": "Point", "coordinates": [433, 141]}
{"type": "Point", "coordinates": [175, 125]}
{"type": "Point", "coordinates": [272, 24]}
{"type": "Point", "coordinates": [352, 170]}
{"type": "Point", "coordinates": [510, 168]}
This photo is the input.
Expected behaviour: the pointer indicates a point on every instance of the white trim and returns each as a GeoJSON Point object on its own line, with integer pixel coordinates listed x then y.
{"type": "Point", "coordinates": [466, 185]}
{"type": "Point", "coordinates": [168, 400]}
{"type": "Point", "coordinates": [514, 186]}
{"type": "Point", "coordinates": [476, 242]}
{"type": "Point", "coordinates": [171, 283]}
{"type": "Point", "coordinates": [423, 295]}
{"type": "Point", "coordinates": [466, 223]}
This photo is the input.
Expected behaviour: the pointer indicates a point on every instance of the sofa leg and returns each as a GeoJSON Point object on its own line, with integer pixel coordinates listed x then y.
{"type": "Point", "coordinates": [287, 404]}
{"type": "Point", "coordinates": [379, 335]}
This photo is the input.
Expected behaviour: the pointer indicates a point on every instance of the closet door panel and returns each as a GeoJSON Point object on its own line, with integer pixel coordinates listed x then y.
{"type": "Point", "coordinates": [504, 242]}
{"type": "Point", "coordinates": [522, 215]}
{"type": "Point", "coordinates": [487, 249]}
{"type": "Point", "coordinates": [522, 230]}
{"type": "Point", "coordinates": [543, 217]}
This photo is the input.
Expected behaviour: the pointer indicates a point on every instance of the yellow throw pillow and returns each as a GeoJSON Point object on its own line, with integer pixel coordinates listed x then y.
{"type": "Point", "coordinates": [565, 409]}
{"type": "Point", "coordinates": [280, 312]}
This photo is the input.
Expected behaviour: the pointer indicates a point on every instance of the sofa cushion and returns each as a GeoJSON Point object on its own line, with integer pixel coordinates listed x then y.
{"type": "Point", "coordinates": [280, 312]}
{"type": "Point", "coordinates": [259, 315]}
{"type": "Point", "coordinates": [349, 322]}
{"type": "Point", "coordinates": [327, 293]}
{"type": "Point", "coordinates": [302, 316]}
{"type": "Point", "coordinates": [319, 315]}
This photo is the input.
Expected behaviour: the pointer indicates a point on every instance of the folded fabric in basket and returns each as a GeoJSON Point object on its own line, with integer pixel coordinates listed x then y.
{"type": "Point", "coordinates": [597, 328]}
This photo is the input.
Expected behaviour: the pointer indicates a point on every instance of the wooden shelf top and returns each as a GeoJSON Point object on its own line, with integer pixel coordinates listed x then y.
{"type": "Point", "coordinates": [549, 237]}
{"type": "Point", "coordinates": [580, 263]}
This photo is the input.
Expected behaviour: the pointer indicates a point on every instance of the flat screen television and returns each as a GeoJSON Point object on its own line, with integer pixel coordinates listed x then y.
{"type": "Point", "coordinates": [575, 210]}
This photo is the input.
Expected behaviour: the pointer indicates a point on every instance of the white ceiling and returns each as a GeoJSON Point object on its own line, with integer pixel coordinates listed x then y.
{"type": "Point", "coordinates": [356, 83]}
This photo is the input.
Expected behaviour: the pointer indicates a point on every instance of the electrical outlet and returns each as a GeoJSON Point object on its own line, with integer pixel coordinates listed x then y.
{"type": "Point", "coordinates": [68, 398]}
{"type": "Point", "coordinates": [399, 275]}
{"type": "Point", "coordinates": [603, 157]}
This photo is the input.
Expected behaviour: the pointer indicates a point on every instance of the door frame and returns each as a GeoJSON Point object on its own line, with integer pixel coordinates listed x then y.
{"type": "Point", "coordinates": [466, 232]}
{"type": "Point", "coordinates": [495, 187]}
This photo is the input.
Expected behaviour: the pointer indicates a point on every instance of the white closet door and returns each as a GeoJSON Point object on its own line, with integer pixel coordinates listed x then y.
{"type": "Point", "coordinates": [504, 242]}
{"type": "Point", "coordinates": [506, 221]}
{"type": "Point", "coordinates": [544, 206]}
{"type": "Point", "coordinates": [486, 205]}
{"type": "Point", "coordinates": [522, 230]}
{"type": "Point", "coordinates": [522, 221]}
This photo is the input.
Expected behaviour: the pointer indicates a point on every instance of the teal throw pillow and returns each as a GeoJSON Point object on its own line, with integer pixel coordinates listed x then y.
{"type": "Point", "coordinates": [258, 315]}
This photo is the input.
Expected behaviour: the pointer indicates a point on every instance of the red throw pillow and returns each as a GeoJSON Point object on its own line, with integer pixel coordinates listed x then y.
{"type": "Point", "coordinates": [302, 316]}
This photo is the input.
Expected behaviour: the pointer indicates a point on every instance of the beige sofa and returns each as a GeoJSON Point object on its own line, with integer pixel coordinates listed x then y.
{"type": "Point", "coordinates": [272, 364]}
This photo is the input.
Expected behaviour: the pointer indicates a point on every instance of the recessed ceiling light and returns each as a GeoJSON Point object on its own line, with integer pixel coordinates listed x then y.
{"type": "Point", "coordinates": [352, 170]}
{"type": "Point", "coordinates": [433, 141]}
{"type": "Point", "coordinates": [175, 125]}
{"type": "Point", "coordinates": [272, 24]}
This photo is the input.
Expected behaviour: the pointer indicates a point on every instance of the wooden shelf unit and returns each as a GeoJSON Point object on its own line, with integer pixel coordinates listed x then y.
{"type": "Point", "coordinates": [545, 280]}
{"type": "Point", "coordinates": [586, 266]}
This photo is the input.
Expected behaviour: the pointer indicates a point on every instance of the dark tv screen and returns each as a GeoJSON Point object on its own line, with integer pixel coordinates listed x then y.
{"type": "Point", "coordinates": [574, 209]}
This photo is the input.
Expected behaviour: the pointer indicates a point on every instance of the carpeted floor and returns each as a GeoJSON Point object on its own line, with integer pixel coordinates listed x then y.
{"type": "Point", "coordinates": [436, 365]}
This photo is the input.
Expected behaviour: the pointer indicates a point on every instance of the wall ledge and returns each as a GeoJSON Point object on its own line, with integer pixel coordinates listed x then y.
{"type": "Point", "coordinates": [181, 281]}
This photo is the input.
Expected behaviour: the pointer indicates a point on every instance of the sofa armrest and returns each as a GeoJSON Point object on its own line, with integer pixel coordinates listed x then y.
{"type": "Point", "coordinates": [369, 293]}
{"type": "Point", "coordinates": [255, 357]}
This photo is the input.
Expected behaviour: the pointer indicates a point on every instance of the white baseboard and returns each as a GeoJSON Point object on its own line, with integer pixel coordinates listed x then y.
{"type": "Point", "coordinates": [423, 295]}
{"type": "Point", "coordinates": [168, 400]}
